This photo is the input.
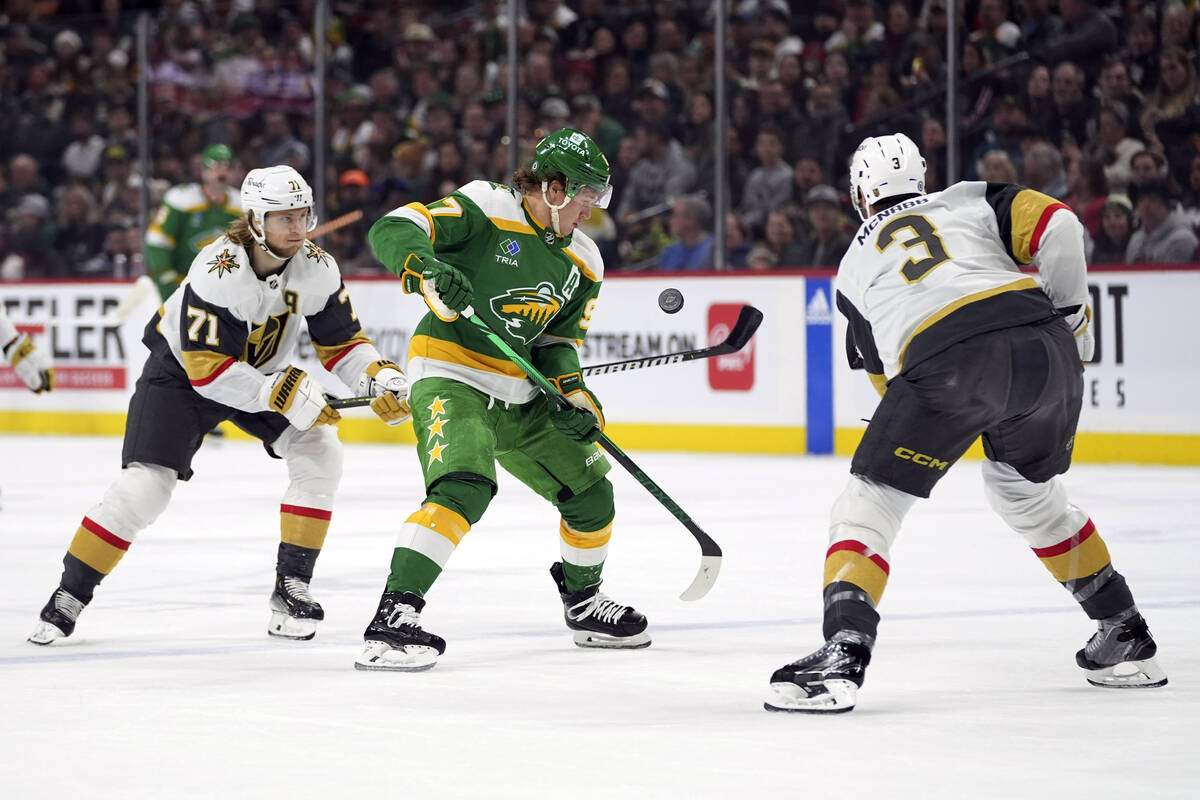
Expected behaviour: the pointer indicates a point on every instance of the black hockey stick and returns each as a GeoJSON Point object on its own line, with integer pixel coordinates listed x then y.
{"type": "Point", "coordinates": [743, 329]}
{"type": "Point", "coordinates": [749, 318]}
{"type": "Point", "coordinates": [710, 560]}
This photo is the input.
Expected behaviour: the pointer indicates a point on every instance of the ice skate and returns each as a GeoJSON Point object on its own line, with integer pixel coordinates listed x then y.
{"type": "Point", "coordinates": [1120, 655]}
{"type": "Point", "coordinates": [395, 640]}
{"type": "Point", "coordinates": [825, 682]}
{"type": "Point", "coordinates": [57, 620]}
{"type": "Point", "coordinates": [598, 621]}
{"type": "Point", "coordinates": [294, 612]}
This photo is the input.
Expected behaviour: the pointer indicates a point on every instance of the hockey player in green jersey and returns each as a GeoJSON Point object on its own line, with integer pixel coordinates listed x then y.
{"type": "Point", "coordinates": [191, 216]}
{"type": "Point", "coordinates": [515, 256]}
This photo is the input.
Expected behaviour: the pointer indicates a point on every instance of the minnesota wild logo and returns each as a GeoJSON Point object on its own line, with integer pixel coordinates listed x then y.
{"type": "Point", "coordinates": [525, 312]}
{"type": "Point", "coordinates": [226, 262]}
{"type": "Point", "coordinates": [315, 253]}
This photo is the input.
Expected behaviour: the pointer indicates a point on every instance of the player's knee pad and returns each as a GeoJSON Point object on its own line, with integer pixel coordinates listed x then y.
{"type": "Point", "coordinates": [1040, 512]}
{"type": "Point", "coordinates": [591, 509]}
{"type": "Point", "coordinates": [135, 499]}
{"type": "Point", "coordinates": [869, 512]}
{"type": "Point", "coordinates": [314, 461]}
{"type": "Point", "coordinates": [466, 494]}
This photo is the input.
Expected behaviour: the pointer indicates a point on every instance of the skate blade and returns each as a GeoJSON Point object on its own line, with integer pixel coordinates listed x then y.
{"type": "Point", "coordinates": [839, 697]}
{"type": "Point", "coordinates": [45, 633]}
{"type": "Point", "coordinates": [382, 657]}
{"type": "Point", "coordinates": [284, 627]}
{"type": "Point", "coordinates": [592, 639]}
{"type": "Point", "coordinates": [1144, 674]}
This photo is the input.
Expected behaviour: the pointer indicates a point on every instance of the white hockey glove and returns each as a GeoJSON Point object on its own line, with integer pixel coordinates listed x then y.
{"type": "Point", "coordinates": [30, 363]}
{"type": "Point", "coordinates": [299, 398]}
{"type": "Point", "coordinates": [387, 384]}
{"type": "Point", "coordinates": [1079, 320]}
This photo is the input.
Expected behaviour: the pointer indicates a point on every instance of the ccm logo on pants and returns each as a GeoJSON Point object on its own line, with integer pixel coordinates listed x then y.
{"type": "Point", "coordinates": [920, 458]}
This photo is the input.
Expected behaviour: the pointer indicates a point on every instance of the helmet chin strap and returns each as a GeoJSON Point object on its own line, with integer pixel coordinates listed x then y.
{"type": "Point", "coordinates": [554, 209]}
{"type": "Point", "coordinates": [262, 241]}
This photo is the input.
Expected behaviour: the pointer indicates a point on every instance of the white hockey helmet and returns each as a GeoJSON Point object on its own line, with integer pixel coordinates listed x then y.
{"type": "Point", "coordinates": [274, 189]}
{"type": "Point", "coordinates": [882, 167]}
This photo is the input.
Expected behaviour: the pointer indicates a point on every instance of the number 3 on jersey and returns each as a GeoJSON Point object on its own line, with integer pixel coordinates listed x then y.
{"type": "Point", "coordinates": [914, 270]}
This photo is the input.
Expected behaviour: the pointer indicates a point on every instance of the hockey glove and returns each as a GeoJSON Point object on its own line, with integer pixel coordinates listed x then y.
{"type": "Point", "coordinates": [299, 398]}
{"type": "Point", "coordinates": [30, 363]}
{"type": "Point", "coordinates": [1079, 319]}
{"type": "Point", "coordinates": [584, 420]}
{"type": "Point", "coordinates": [446, 289]}
{"type": "Point", "coordinates": [387, 384]}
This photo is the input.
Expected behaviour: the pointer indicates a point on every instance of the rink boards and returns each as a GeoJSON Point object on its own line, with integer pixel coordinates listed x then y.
{"type": "Point", "coordinates": [788, 391]}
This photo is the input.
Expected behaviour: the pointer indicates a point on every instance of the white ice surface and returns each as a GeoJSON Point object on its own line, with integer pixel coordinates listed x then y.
{"type": "Point", "coordinates": [170, 687]}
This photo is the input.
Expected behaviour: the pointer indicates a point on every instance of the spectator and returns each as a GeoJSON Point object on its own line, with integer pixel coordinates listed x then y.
{"type": "Point", "coordinates": [1113, 147]}
{"type": "Point", "coordinates": [80, 235]}
{"type": "Point", "coordinates": [661, 174]}
{"type": "Point", "coordinates": [737, 244]}
{"type": "Point", "coordinates": [605, 131]}
{"type": "Point", "coordinates": [761, 258]}
{"type": "Point", "coordinates": [1172, 114]}
{"type": "Point", "coordinates": [1040, 25]}
{"type": "Point", "coordinates": [279, 145]}
{"type": "Point", "coordinates": [1143, 52]}
{"type": "Point", "coordinates": [1147, 165]}
{"type": "Point", "coordinates": [1087, 192]}
{"type": "Point", "coordinates": [1191, 194]}
{"type": "Point", "coordinates": [1073, 109]}
{"type": "Point", "coordinates": [770, 184]}
{"type": "Point", "coordinates": [996, 34]}
{"type": "Point", "coordinates": [780, 237]}
{"type": "Point", "coordinates": [933, 146]}
{"type": "Point", "coordinates": [1116, 87]}
{"type": "Point", "coordinates": [1043, 170]}
{"type": "Point", "coordinates": [30, 238]}
{"type": "Point", "coordinates": [1039, 100]}
{"type": "Point", "coordinates": [1087, 35]}
{"type": "Point", "coordinates": [1164, 236]}
{"type": "Point", "coordinates": [819, 131]}
{"type": "Point", "coordinates": [81, 159]}
{"type": "Point", "coordinates": [693, 244]}
{"type": "Point", "coordinates": [806, 174]}
{"type": "Point", "coordinates": [828, 241]}
{"type": "Point", "coordinates": [24, 178]}
{"type": "Point", "coordinates": [997, 167]}
{"type": "Point", "coordinates": [1116, 227]}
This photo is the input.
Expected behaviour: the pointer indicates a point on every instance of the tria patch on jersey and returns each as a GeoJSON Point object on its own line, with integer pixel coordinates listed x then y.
{"type": "Point", "coordinates": [525, 312]}
{"type": "Point", "coordinates": [225, 262]}
{"type": "Point", "coordinates": [508, 249]}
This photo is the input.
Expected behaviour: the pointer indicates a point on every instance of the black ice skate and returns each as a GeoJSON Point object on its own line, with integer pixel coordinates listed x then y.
{"type": "Point", "coordinates": [1120, 655]}
{"type": "Point", "coordinates": [57, 620]}
{"type": "Point", "coordinates": [294, 613]}
{"type": "Point", "coordinates": [825, 682]}
{"type": "Point", "coordinates": [394, 638]}
{"type": "Point", "coordinates": [598, 621]}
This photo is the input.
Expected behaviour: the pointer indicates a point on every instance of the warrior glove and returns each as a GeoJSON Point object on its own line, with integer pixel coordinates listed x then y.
{"type": "Point", "coordinates": [30, 363]}
{"type": "Point", "coordinates": [446, 289]}
{"type": "Point", "coordinates": [1079, 319]}
{"type": "Point", "coordinates": [384, 381]}
{"type": "Point", "coordinates": [299, 398]}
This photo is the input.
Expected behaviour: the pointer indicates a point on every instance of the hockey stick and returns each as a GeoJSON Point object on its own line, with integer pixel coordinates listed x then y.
{"type": "Point", "coordinates": [710, 559]}
{"type": "Point", "coordinates": [743, 329]}
{"type": "Point", "coordinates": [349, 218]}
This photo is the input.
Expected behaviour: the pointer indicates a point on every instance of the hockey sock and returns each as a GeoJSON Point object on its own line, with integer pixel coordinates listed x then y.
{"type": "Point", "coordinates": [849, 608]}
{"type": "Point", "coordinates": [855, 577]}
{"type": "Point", "coordinates": [424, 545]}
{"type": "Point", "coordinates": [584, 532]}
{"type": "Point", "coordinates": [1081, 563]}
{"type": "Point", "coordinates": [94, 552]}
{"type": "Point", "coordinates": [296, 561]}
{"type": "Point", "coordinates": [1102, 595]}
{"type": "Point", "coordinates": [304, 527]}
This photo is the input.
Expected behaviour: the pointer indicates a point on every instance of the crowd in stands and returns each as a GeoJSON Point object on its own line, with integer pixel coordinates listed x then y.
{"type": "Point", "coordinates": [1095, 103]}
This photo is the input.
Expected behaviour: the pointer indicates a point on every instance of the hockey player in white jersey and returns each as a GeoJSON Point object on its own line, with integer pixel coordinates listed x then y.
{"type": "Point", "coordinates": [223, 347]}
{"type": "Point", "coordinates": [961, 344]}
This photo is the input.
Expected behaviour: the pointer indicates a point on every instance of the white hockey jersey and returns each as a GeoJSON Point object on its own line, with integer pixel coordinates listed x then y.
{"type": "Point", "coordinates": [933, 270]}
{"type": "Point", "coordinates": [230, 329]}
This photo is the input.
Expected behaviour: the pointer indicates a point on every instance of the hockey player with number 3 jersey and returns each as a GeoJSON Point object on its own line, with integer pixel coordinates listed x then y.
{"type": "Point", "coordinates": [961, 344]}
{"type": "Point", "coordinates": [515, 257]}
{"type": "Point", "coordinates": [223, 348]}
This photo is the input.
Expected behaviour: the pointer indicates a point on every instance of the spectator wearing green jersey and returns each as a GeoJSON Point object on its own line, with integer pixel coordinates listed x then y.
{"type": "Point", "coordinates": [191, 216]}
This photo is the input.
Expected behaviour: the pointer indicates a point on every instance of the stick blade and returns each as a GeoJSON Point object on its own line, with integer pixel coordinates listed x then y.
{"type": "Point", "coordinates": [749, 318]}
{"type": "Point", "coordinates": [710, 567]}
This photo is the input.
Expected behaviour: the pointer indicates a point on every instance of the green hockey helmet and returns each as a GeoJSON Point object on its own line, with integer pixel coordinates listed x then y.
{"type": "Point", "coordinates": [573, 154]}
{"type": "Point", "coordinates": [216, 154]}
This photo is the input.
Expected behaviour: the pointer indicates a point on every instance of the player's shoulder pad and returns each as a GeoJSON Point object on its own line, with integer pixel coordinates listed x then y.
{"type": "Point", "coordinates": [494, 200]}
{"type": "Point", "coordinates": [185, 197]}
{"type": "Point", "coordinates": [316, 267]}
{"type": "Point", "coordinates": [221, 274]}
{"type": "Point", "coordinates": [586, 255]}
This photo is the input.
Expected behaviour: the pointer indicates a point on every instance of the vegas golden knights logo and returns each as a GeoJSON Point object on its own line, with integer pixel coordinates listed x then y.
{"type": "Point", "coordinates": [265, 339]}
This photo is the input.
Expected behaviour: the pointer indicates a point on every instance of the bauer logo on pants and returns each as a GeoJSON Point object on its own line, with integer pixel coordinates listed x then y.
{"type": "Point", "coordinates": [734, 372]}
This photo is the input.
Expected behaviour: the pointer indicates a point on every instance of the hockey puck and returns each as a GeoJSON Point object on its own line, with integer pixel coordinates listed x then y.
{"type": "Point", "coordinates": [670, 300]}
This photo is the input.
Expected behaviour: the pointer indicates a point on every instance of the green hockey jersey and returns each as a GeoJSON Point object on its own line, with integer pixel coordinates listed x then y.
{"type": "Point", "coordinates": [537, 289]}
{"type": "Point", "coordinates": [185, 224]}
